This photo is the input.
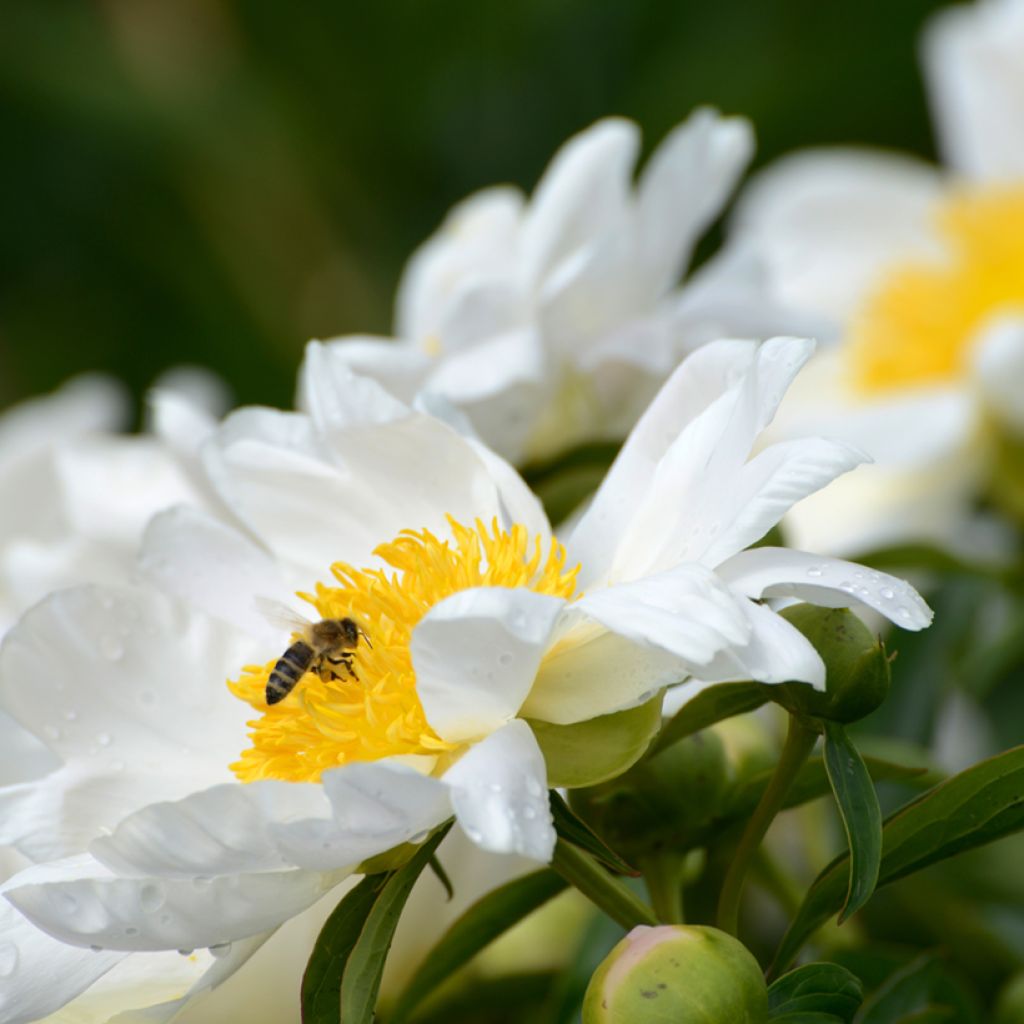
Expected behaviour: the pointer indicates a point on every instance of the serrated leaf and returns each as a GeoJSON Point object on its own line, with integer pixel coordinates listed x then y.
{"type": "Point", "coordinates": [714, 704]}
{"type": "Point", "coordinates": [822, 989]}
{"type": "Point", "coordinates": [575, 830]}
{"type": "Point", "coordinates": [975, 807]}
{"type": "Point", "coordinates": [861, 815]}
{"type": "Point", "coordinates": [481, 924]}
{"type": "Point", "coordinates": [362, 971]}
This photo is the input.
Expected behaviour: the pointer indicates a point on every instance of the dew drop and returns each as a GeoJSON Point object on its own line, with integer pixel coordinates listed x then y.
{"type": "Point", "coordinates": [888, 593]}
{"type": "Point", "coordinates": [131, 930]}
{"type": "Point", "coordinates": [104, 739]}
{"type": "Point", "coordinates": [151, 898]}
{"type": "Point", "coordinates": [8, 959]}
{"type": "Point", "coordinates": [165, 919]}
{"type": "Point", "coordinates": [52, 732]}
{"type": "Point", "coordinates": [529, 812]}
{"type": "Point", "coordinates": [504, 658]}
{"type": "Point", "coordinates": [220, 950]}
{"type": "Point", "coordinates": [111, 648]}
{"type": "Point", "coordinates": [475, 835]}
{"type": "Point", "coordinates": [95, 948]}
{"type": "Point", "coordinates": [106, 603]}
{"type": "Point", "coordinates": [186, 952]}
{"type": "Point", "coordinates": [420, 837]}
{"type": "Point", "coordinates": [814, 570]}
{"type": "Point", "coordinates": [846, 585]}
{"type": "Point", "coordinates": [201, 882]}
{"type": "Point", "coordinates": [533, 787]}
{"type": "Point", "coordinates": [904, 612]}
{"type": "Point", "coordinates": [70, 715]}
{"type": "Point", "coordinates": [495, 787]}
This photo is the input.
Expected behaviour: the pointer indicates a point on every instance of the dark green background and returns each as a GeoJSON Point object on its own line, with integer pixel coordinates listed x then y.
{"type": "Point", "coordinates": [216, 181]}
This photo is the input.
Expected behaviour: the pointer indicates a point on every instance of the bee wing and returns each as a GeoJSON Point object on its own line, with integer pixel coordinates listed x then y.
{"type": "Point", "coordinates": [279, 614]}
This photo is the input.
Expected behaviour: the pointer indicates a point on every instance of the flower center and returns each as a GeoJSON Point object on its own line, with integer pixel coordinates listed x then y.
{"type": "Point", "coordinates": [332, 718]}
{"type": "Point", "coordinates": [918, 326]}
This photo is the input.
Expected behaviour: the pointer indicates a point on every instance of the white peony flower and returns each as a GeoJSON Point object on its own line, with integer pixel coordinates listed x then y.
{"type": "Point", "coordinates": [483, 639]}
{"type": "Point", "coordinates": [921, 270]}
{"type": "Point", "coordinates": [553, 320]}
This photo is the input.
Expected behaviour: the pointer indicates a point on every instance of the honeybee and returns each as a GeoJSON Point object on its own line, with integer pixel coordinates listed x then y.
{"type": "Point", "coordinates": [326, 647]}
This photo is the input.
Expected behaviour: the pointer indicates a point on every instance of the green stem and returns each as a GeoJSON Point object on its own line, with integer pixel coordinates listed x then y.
{"type": "Point", "coordinates": [663, 874]}
{"type": "Point", "coordinates": [603, 889]}
{"type": "Point", "coordinates": [800, 740]}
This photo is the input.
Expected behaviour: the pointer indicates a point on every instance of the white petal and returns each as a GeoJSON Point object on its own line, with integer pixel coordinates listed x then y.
{"type": "Point", "coordinates": [590, 672]}
{"type": "Point", "coordinates": [397, 365]}
{"type": "Point", "coordinates": [312, 505]}
{"type": "Point", "coordinates": [583, 191]}
{"type": "Point", "coordinates": [82, 904]}
{"type": "Point", "coordinates": [39, 974]}
{"type": "Point", "coordinates": [701, 379]}
{"type": "Point", "coordinates": [499, 792]}
{"type": "Point", "coordinates": [775, 653]}
{"type": "Point", "coordinates": [128, 687]}
{"type": "Point", "coordinates": [830, 582]}
{"type": "Point", "coordinates": [972, 59]}
{"type": "Point", "coordinates": [476, 654]}
{"type": "Point", "coordinates": [371, 808]}
{"type": "Point", "coordinates": [478, 237]}
{"type": "Point", "coordinates": [685, 611]}
{"type": "Point", "coordinates": [192, 555]}
{"type": "Point", "coordinates": [693, 494]}
{"type": "Point", "coordinates": [999, 364]}
{"type": "Point", "coordinates": [217, 831]}
{"type": "Point", "coordinates": [829, 222]}
{"type": "Point", "coordinates": [766, 488]}
{"type": "Point", "coordinates": [336, 398]}
{"type": "Point", "coordinates": [500, 384]}
{"type": "Point", "coordinates": [684, 186]}
{"type": "Point", "coordinates": [87, 404]}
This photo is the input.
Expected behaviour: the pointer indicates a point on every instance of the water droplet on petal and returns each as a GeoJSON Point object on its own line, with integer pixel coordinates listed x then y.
{"type": "Point", "coordinates": [220, 950]}
{"type": "Point", "coordinates": [104, 739]}
{"type": "Point", "coordinates": [904, 612]}
{"type": "Point", "coordinates": [888, 593]}
{"type": "Point", "coordinates": [131, 930]}
{"type": "Point", "coordinates": [533, 787]}
{"type": "Point", "coordinates": [70, 715]}
{"type": "Point", "coordinates": [106, 602]}
{"type": "Point", "coordinates": [420, 837]}
{"type": "Point", "coordinates": [8, 959]}
{"type": "Point", "coordinates": [495, 787]}
{"type": "Point", "coordinates": [95, 948]}
{"type": "Point", "coordinates": [529, 812]}
{"type": "Point", "coordinates": [186, 952]}
{"type": "Point", "coordinates": [201, 882]}
{"type": "Point", "coordinates": [814, 570]}
{"type": "Point", "coordinates": [504, 658]}
{"type": "Point", "coordinates": [151, 897]}
{"type": "Point", "coordinates": [474, 834]}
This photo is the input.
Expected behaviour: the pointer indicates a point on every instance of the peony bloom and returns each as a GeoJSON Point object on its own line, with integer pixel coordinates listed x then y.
{"type": "Point", "coordinates": [553, 320]}
{"type": "Point", "coordinates": [921, 270]}
{"type": "Point", "coordinates": [187, 813]}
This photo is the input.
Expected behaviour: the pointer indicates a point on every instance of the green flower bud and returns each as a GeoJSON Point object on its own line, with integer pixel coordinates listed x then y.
{"type": "Point", "coordinates": [1010, 1005]}
{"type": "Point", "coordinates": [680, 973]}
{"type": "Point", "coordinates": [661, 799]}
{"type": "Point", "coordinates": [856, 665]}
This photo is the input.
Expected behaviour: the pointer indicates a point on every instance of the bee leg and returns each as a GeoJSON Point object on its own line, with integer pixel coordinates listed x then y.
{"type": "Point", "coordinates": [329, 668]}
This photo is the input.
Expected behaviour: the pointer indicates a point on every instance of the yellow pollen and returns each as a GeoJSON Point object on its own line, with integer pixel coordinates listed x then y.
{"type": "Point", "coordinates": [325, 723]}
{"type": "Point", "coordinates": [918, 327]}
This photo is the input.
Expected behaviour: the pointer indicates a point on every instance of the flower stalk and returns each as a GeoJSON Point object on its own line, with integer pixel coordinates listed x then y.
{"type": "Point", "coordinates": [603, 889]}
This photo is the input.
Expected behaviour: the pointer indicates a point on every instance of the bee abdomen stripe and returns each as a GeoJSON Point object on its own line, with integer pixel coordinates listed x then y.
{"type": "Point", "coordinates": [299, 654]}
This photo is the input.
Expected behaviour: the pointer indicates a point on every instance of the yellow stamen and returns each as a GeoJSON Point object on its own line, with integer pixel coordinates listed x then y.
{"type": "Point", "coordinates": [918, 327]}
{"type": "Point", "coordinates": [323, 724]}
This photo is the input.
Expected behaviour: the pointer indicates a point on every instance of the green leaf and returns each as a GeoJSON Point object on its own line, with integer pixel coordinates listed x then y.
{"type": "Point", "coordinates": [826, 990]}
{"type": "Point", "coordinates": [358, 922]}
{"type": "Point", "coordinates": [590, 752]}
{"type": "Point", "coordinates": [712, 705]}
{"type": "Point", "coordinates": [907, 991]}
{"type": "Point", "coordinates": [806, 1017]}
{"type": "Point", "coordinates": [321, 982]}
{"type": "Point", "coordinates": [480, 925]}
{"type": "Point", "coordinates": [361, 974]}
{"type": "Point", "coordinates": [975, 807]}
{"type": "Point", "coordinates": [575, 830]}
{"type": "Point", "coordinates": [862, 817]}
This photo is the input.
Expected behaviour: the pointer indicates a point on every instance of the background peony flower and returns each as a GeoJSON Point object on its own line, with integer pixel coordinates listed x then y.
{"type": "Point", "coordinates": [921, 272]}
{"type": "Point", "coordinates": [164, 828]}
{"type": "Point", "coordinates": [553, 320]}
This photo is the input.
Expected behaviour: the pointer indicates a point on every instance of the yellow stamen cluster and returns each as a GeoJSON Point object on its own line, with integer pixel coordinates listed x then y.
{"type": "Point", "coordinates": [326, 723]}
{"type": "Point", "coordinates": [918, 327]}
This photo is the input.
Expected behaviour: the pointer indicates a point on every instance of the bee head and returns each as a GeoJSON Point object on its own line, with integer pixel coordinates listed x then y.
{"type": "Point", "coordinates": [343, 633]}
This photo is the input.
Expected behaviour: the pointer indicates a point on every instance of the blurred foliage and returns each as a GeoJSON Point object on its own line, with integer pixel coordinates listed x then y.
{"type": "Point", "coordinates": [216, 181]}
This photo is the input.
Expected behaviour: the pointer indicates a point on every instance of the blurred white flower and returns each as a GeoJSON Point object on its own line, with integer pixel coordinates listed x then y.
{"type": "Point", "coordinates": [165, 828]}
{"type": "Point", "coordinates": [553, 320]}
{"type": "Point", "coordinates": [921, 271]}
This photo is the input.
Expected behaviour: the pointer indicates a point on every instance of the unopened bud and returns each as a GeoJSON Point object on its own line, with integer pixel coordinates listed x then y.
{"type": "Point", "coordinates": [856, 665]}
{"type": "Point", "coordinates": [686, 974]}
